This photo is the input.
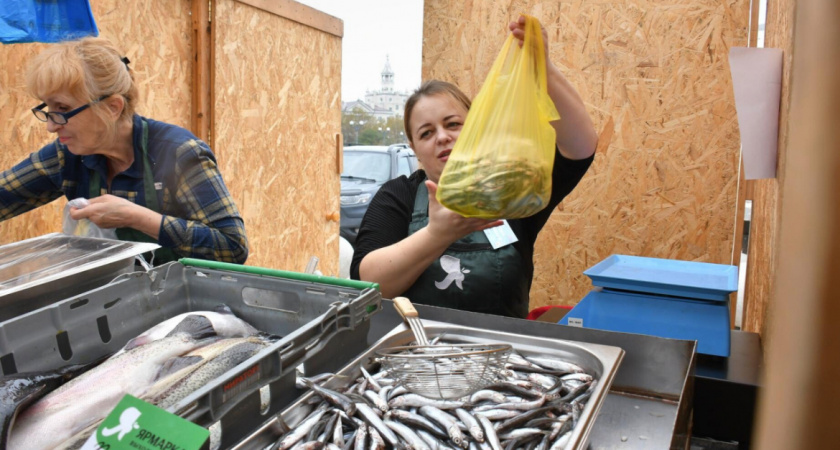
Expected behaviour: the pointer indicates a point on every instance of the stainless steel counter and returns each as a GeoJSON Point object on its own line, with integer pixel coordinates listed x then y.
{"type": "Point", "coordinates": [632, 422]}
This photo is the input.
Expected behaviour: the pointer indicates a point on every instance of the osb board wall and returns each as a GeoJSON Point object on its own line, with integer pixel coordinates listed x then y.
{"type": "Point", "coordinates": [655, 77]}
{"type": "Point", "coordinates": [153, 34]}
{"type": "Point", "coordinates": [21, 134]}
{"type": "Point", "coordinates": [277, 109]}
{"type": "Point", "coordinates": [767, 194]}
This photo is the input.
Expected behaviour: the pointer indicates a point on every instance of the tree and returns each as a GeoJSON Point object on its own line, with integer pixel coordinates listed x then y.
{"type": "Point", "coordinates": [353, 123]}
{"type": "Point", "coordinates": [361, 128]}
{"type": "Point", "coordinates": [395, 134]}
{"type": "Point", "coordinates": [369, 136]}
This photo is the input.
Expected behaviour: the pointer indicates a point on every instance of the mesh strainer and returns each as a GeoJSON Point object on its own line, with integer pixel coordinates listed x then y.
{"type": "Point", "coordinates": [442, 371]}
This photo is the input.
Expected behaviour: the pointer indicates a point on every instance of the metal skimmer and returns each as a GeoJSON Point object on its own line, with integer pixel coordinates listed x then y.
{"type": "Point", "coordinates": [412, 318]}
{"type": "Point", "coordinates": [442, 371]}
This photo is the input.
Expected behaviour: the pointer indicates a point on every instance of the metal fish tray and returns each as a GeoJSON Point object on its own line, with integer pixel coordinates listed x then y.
{"type": "Point", "coordinates": [311, 313]}
{"type": "Point", "coordinates": [42, 270]}
{"type": "Point", "coordinates": [601, 361]}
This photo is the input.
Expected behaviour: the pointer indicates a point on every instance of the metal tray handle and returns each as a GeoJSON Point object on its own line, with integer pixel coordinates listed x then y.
{"type": "Point", "coordinates": [279, 362]}
{"type": "Point", "coordinates": [342, 282]}
{"type": "Point", "coordinates": [297, 347]}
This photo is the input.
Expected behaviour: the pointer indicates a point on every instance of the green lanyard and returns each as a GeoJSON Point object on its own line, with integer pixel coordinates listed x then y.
{"type": "Point", "coordinates": [161, 255]}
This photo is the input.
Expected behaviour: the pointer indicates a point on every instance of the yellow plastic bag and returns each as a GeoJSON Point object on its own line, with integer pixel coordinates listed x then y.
{"type": "Point", "coordinates": [500, 167]}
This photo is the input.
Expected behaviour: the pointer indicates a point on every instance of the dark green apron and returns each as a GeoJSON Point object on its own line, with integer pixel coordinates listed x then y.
{"type": "Point", "coordinates": [161, 255]}
{"type": "Point", "coordinates": [470, 275]}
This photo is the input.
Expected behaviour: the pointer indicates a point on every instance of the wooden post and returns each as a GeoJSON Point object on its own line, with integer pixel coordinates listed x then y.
{"type": "Point", "coordinates": [201, 117]}
{"type": "Point", "coordinates": [767, 194]}
{"type": "Point", "coordinates": [799, 402]}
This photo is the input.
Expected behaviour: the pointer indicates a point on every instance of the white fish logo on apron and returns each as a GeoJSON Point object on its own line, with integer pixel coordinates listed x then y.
{"type": "Point", "coordinates": [454, 272]}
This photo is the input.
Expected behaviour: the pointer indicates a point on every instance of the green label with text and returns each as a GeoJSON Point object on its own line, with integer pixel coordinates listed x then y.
{"type": "Point", "coordinates": [135, 424]}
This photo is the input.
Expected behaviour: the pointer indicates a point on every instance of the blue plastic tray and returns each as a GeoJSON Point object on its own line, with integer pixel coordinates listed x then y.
{"type": "Point", "coordinates": [665, 276]}
{"type": "Point", "coordinates": [627, 312]}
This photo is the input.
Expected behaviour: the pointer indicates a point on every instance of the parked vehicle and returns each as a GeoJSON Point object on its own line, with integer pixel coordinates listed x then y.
{"type": "Point", "coordinates": [366, 169]}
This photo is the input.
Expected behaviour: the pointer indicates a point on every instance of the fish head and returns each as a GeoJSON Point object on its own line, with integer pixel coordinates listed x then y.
{"type": "Point", "coordinates": [195, 325]}
{"type": "Point", "coordinates": [222, 308]}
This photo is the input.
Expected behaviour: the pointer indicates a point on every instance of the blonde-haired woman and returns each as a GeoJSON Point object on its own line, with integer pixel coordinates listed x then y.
{"type": "Point", "coordinates": [150, 180]}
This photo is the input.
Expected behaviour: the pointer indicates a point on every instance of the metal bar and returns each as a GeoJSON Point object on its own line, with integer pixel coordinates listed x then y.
{"type": "Point", "coordinates": [278, 273]}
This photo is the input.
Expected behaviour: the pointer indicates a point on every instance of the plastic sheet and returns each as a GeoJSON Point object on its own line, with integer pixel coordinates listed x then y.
{"type": "Point", "coordinates": [501, 165]}
{"type": "Point", "coordinates": [45, 21]}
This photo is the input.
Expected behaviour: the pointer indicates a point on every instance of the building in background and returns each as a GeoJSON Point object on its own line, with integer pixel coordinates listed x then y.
{"type": "Point", "coordinates": [384, 103]}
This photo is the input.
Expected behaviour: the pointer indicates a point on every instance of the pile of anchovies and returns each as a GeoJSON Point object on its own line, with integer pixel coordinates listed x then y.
{"type": "Point", "coordinates": [535, 405]}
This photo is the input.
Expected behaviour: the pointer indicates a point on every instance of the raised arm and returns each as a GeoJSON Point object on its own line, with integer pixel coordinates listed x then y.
{"type": "Point", "coordinates": [576, 137]}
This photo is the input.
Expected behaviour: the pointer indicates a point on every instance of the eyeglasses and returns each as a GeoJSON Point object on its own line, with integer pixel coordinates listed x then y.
{"type": "Point", "coordinates": [60, 118]}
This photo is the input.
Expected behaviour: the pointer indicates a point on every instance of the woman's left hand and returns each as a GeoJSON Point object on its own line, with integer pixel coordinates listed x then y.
{"type": "Point", "coordinates": [518, 30]}
{"type": "Point", "coordinates": [110, 211]}
{"type": "Point", "coordinates": [107, 211]}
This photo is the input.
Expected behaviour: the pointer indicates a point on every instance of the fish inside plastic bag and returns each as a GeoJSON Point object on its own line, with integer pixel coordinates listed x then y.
{"type": "Point", "coordinates": [501, 165]}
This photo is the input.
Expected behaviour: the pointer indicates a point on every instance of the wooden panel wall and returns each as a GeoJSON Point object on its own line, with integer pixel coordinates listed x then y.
{"type": "Point", "coordinates": [767, 195]}
{"type": "Point", "coordinates": [655, 77]}
{"type": "Point", "coordinates": [21, 134]}
{"type": "Point", "coordinates": [277, 109]}
{"type": "Point", "coordinates": [154, 34]}
{"type": "Point", "coordinates": [798, 403]}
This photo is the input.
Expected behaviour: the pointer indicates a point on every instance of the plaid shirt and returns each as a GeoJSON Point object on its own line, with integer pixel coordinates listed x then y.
{"type": "Point", "coordinates": [200, 219]}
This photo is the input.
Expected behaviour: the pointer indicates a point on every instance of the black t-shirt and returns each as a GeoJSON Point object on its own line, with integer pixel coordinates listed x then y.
{"type": "Point", "coordinates": [387, 218]}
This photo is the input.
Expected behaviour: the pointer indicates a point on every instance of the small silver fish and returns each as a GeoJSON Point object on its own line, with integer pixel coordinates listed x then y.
{"type": "Point", "coordinates": [555, 364]}
{"type": "Point", "coordinates": [408, 435]}
{"type": "Point", "coordinates": [414, 400]}
{"type": "Point", "coordinates": [447, 422]}
{"type": "Point", "coordinates": [490, 435]}
{"type": "Point", "coordinates": [299, 431]}
{"type": "Point", "coordinates": [472, 424]}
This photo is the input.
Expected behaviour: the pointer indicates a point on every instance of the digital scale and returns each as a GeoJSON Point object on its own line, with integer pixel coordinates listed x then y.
{"type": "Point", "coordinates": [660, 297]}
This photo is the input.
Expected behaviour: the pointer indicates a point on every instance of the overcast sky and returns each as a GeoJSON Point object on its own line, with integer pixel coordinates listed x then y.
{"type": "Point", "coordinates": [372, 30]}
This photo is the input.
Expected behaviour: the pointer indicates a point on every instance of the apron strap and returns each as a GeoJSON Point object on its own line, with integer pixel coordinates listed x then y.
{"type": "Point", "coordinates": [95, 185]}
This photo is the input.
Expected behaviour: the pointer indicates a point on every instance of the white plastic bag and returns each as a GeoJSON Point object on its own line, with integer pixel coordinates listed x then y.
{"type": "Point", "coordinates": [84, 227]}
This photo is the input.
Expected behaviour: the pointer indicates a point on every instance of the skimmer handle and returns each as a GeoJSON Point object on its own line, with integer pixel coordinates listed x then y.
{"type": "Point", "coordinates": [412, 318]}
{"type": "Point", "coordinates": [405, 308]}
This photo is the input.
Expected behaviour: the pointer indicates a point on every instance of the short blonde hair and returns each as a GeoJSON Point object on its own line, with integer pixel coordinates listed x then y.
{"type": "Point", "coordinates": [90, 68]}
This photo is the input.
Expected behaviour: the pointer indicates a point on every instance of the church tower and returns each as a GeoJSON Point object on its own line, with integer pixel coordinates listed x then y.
{"type": "Point", "coordinates": [387, 76]}
{"type": "Point", "coordinates": [386, 101]}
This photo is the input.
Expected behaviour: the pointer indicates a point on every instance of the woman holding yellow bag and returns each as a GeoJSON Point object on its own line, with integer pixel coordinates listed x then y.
{"type": "Point", "coordinates": [413, 246]}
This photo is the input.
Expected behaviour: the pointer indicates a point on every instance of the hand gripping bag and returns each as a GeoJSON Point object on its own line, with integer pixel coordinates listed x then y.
{"type": "Point", "coordinates": [500, 167]}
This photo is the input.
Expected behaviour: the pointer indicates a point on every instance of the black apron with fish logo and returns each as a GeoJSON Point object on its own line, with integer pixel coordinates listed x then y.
{"type": "Point", "coordinates": [470, 275]}
{"type": "Point", "coordinates": [161, 255]}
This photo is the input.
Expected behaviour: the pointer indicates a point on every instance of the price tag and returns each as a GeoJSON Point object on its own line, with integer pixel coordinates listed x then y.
{"type": "Point", "coordinates": [575, 322]}
{"type": "Point", "coordinates": [501, 235]}
{"type": "Point", "coordinates": [135, 424]}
